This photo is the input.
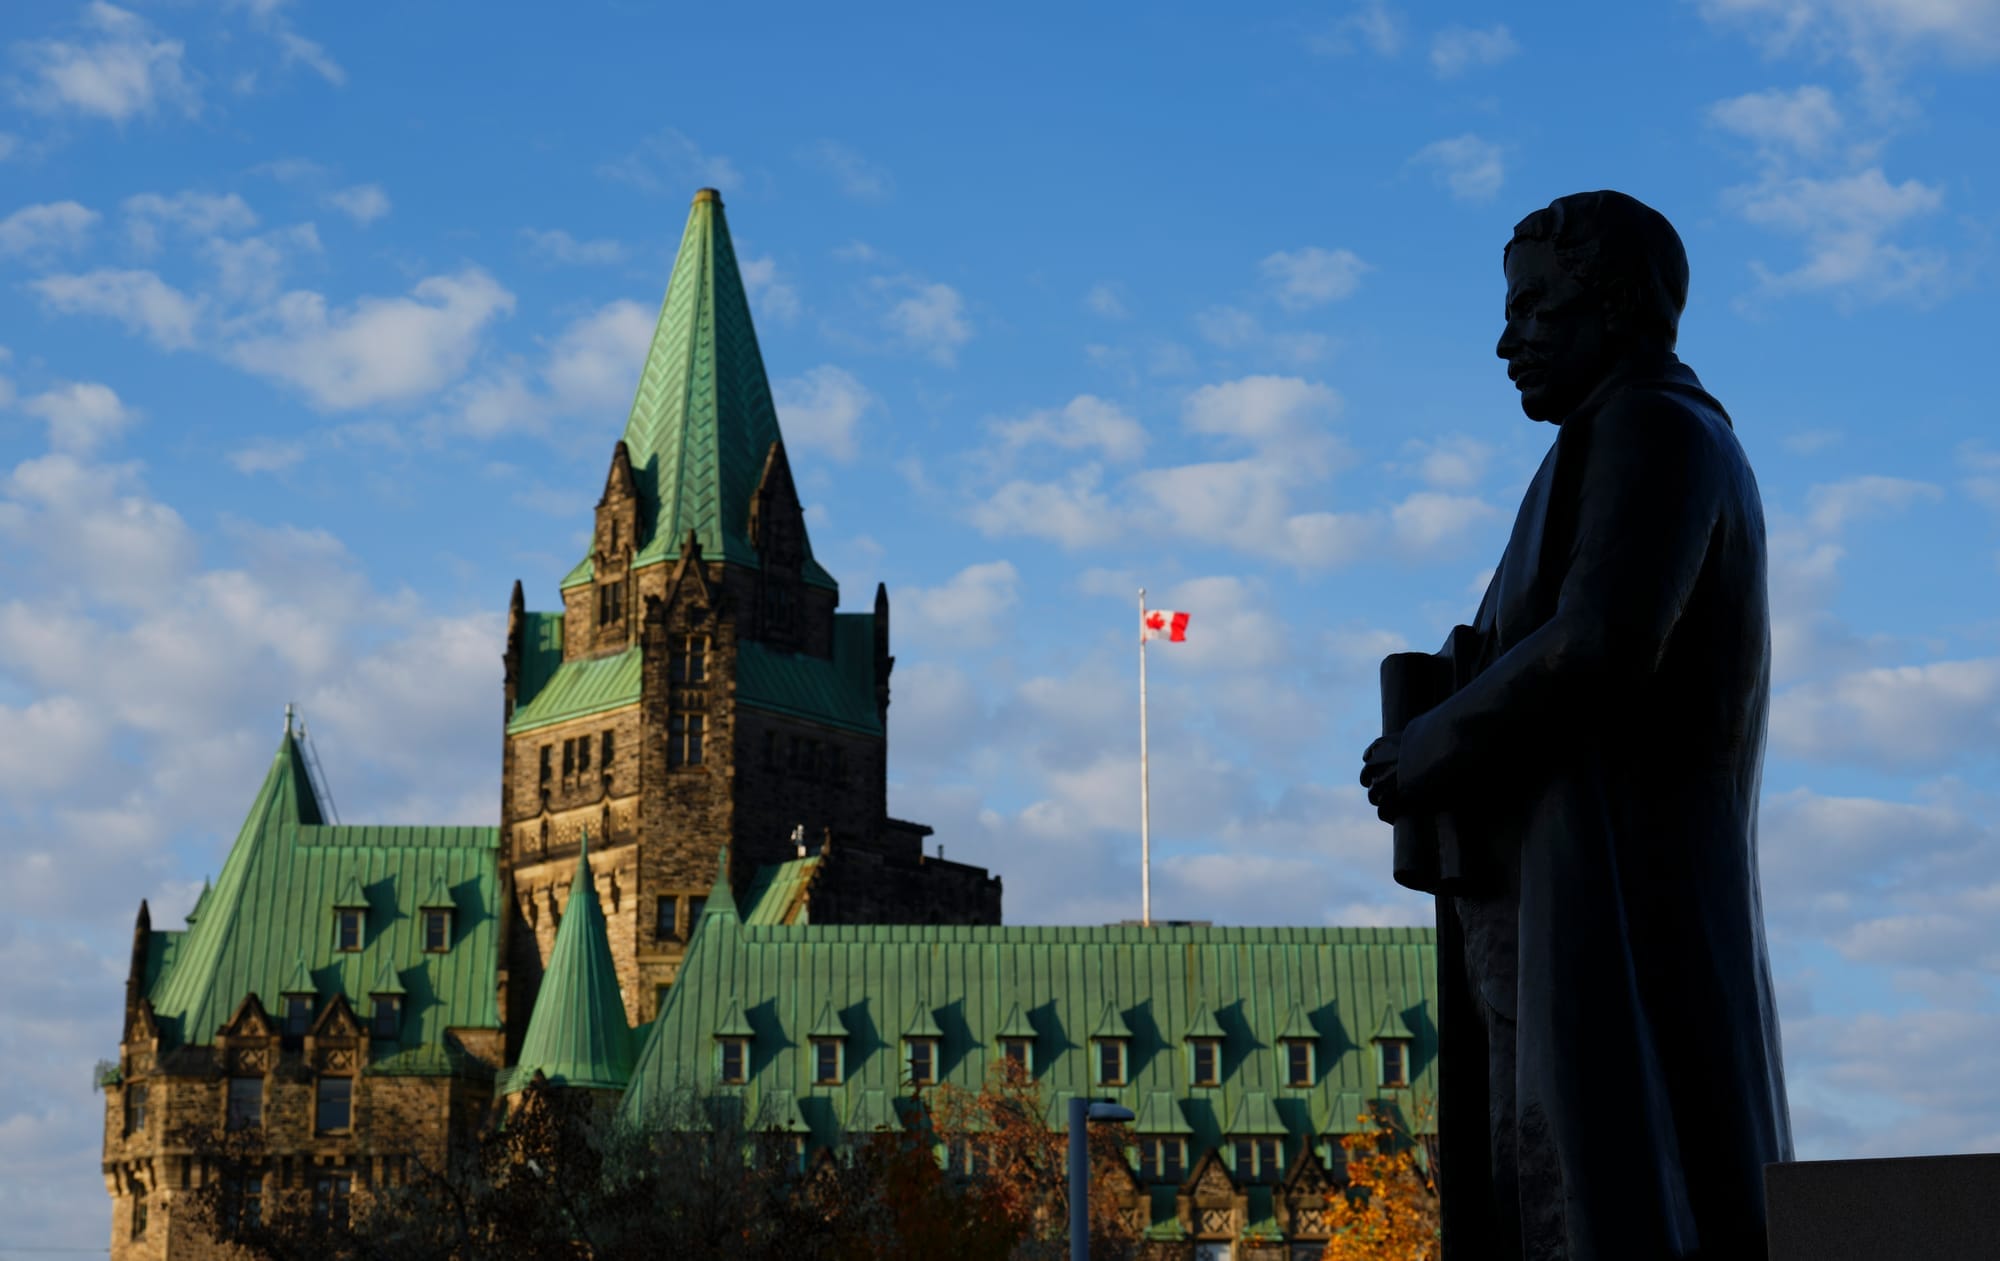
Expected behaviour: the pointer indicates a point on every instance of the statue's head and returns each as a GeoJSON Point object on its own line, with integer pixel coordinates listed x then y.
{"type": "Point", "coordinates": [1593, 280]}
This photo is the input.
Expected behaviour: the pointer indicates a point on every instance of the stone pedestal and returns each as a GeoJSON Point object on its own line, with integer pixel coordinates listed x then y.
{"type": "Point", "coordinates": [1938, 1208]}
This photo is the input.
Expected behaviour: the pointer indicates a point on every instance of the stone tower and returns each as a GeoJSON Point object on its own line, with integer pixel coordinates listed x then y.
{"type": "Point", "coordinates": [699, 691]}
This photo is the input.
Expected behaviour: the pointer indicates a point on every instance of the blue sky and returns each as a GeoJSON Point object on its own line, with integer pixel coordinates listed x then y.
{"type": "Point", "coordinates": [320, 323]}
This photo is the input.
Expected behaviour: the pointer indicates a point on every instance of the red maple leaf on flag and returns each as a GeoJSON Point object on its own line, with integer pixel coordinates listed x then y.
{"type": "Point", "coordinates": [1157, 623]}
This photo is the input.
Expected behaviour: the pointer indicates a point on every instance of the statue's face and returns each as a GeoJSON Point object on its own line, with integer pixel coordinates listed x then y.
{"type": "Point", "coordinates": [1557, 342]}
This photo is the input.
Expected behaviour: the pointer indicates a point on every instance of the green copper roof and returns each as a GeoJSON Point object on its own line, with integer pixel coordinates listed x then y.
{"type": "Point", "coordinates": [970, 982]}
{"type": "Point", "coordinates": [386, 980]}
{"type": "Point", "coordinates": [1255, 1115]}
{"type": "Point", "coordinates": [777, 893]}
{"type": "Point", "coordinates": [922, 1023]}
{"type": "Point", "coordinates": [702, 423]}
{"type": "Point", "coordinates": [1296, 1025]}
{"type": "Point", "coordinates": [267, 925]}
{"type": "Point", "coordinates": [576, 688]}
{"type": "Point", "coordinates": [733, 1024]}
{"type": "Point", "coordinates": [578, 1034]}
{"type": "Point", "coordinates": [1160, 1115]}
{"type": "Point", "coordinates": [1392, 1025]}
{"type": "Point", "coordinates": [1202, 1024]}
{"type": "Point", "coordinates": [829, 1024]}
{"type": "Point", "coordinates": [1110, 1024]}
{"type": "Point", "coordinates": [1015, 1025]}
{"type": "Point", "coordinates": [838, 693]}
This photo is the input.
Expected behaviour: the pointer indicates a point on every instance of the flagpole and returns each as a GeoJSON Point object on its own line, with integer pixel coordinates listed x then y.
{"type": "Point", "coordinates": [1145, 806]}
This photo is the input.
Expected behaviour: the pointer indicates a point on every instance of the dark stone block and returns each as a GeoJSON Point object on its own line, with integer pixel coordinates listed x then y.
{"type": "Point", "coordinates": [1940, 1208]}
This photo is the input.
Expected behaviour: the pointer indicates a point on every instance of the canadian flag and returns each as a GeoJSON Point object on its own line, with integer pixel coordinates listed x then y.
{"type": "Point", "coordinates": [1159, 622]}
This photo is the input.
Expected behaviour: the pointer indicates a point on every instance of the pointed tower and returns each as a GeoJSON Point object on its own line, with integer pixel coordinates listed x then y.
{"type": "Point", "coordinates": [699, 688]}
{"type": "Point", "coordinates": [578, 1035]}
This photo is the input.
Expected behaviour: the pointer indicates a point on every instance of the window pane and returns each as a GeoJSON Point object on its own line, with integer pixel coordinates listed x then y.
{"type": "Point", "coordinates": [583, 754]}
{"type": "Point", "coordinates": [1267, 1159]}
{"type": "Point", "coordinates": [1110, 1063]}
{"type": "Point", "coordinates": [246, 1103]}
{"type": "Point", "coordinates": [1016, 1049]}
{"type": "Point", "coordinates": [604, 753]}
{"type": "Point", "coordinates": [385, 1016]}
{"type": "Point", "coordinates": [569, 758]}
{"type": "Point", "coordinates": [298, 1014]}
{"type": "Point", "coordinates": [694, 740]}
{"type": "Point", "coordinates": [922, 1064]}
{"type": "Point", "coordinates": [695, 907]}
{"type": "Point", "coordinates": [1175, 1154]}
{"type": "Point", "coordinates": [663, 917]}
{"type": "Point", "coordinates": [437, 930]}
{"type": "Point", "coordinates": [732, 1060]}
{"type": "Point", "coordinates": [1246, 1160]}
{"type": "Point", "coordinates": [335, 1101]}
{"type": "Point", "coordinates": [697, 660]}
{"type": "Point", "coordinates": [1204, 1063]}
{"type": "Point", "coordinates": [350, 930]}
{"type": "Point", "coordinates": [135, 1109]}
{"type": "Point", "coordinates": [1300, 1054]}
{"type": "Point", "coordinates": [829, 1061]}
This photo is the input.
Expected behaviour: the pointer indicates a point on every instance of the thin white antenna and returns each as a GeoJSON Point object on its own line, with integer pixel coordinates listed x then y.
{"type": "Point", "coordinates": [313, 767]}
{"type": "Point", "coordinates": [1145, 803]}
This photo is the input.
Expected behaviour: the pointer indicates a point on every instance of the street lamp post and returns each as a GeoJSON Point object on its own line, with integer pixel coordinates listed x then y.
{"type": "Point", "coordinates": [1081, 1113]}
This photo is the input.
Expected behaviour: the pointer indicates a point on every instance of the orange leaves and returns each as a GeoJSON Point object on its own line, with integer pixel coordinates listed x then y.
{"type": "Point", "coordinates": [1390, 1210]}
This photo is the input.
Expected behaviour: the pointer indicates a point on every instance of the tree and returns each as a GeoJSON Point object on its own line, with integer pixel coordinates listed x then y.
{"type": "Point", "coordinates": [1390, 1209]}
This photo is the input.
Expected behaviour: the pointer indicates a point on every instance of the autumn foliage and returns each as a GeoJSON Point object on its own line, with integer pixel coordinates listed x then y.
{"type": "Point", "coordinates": [1390, 1210]}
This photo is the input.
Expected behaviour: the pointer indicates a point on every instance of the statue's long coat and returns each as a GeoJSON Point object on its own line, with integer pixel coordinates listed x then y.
{"type": "Point", "coordinates": [1603, 757]}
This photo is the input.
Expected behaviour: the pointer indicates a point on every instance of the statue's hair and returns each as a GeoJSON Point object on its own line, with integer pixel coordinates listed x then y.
{"type": "Point", "coordinates": [1606, 240]}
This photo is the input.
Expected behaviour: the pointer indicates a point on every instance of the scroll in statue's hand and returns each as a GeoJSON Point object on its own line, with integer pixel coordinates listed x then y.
{"type": "Point", "coordinates": [1379, 762]}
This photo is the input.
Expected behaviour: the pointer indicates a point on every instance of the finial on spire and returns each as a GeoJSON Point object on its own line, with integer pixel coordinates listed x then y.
{"type": "Point", "coordinates": [288, 718]}
{"type": "Point", "coordinates": [707, 194]}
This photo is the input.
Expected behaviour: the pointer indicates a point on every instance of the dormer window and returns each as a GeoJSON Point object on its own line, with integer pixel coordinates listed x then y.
{"type": "Point", "coordinates": [1205, 1061]}
{"type": "Point", "coordinates": [1257, 1160]}
{"type": "Point", "coordinates": [388, 1016]}
{"type": "Point", "coordinates": [1111, 1061]}
{"type": "Point", "coordinates": [826, 1061]}
{"type": "Point", "coordinates": [1020, 1050]}
{"type": "Point", "coordinates": [1163, 1159]}
{"type": "Point", "coordinates": [135, 1108]}
{"type": "Point", "coordinates": [437, 930]}
{"type": "Point", "coordinates": [298, 1014]}
{"type": "Point", "coordinates": [347, 930]}
{"type": "Point", "coordinates": [921, 1055]}
{"type": "Point", "coordinates": [245, 1109]}
{"type": "Point", "coordinates": [1298, 1062]}
{"type": "Point", "coordinates": [735, 1068]}
{"type": "Point", "coordinates": [1395, 1054]}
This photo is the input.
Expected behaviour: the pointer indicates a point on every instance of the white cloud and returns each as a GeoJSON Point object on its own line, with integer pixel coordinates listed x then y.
{"type": "Point", "coordinates": [1471, 168]}
{"type": "Point", "coordinates": [855, 175]}
{"type": "Point", "coordinates": [1830, 507]}
{"type": "Point", "coordinates": [559, 246]}
{"type": "Point", "coordinates": [1430, 520]}
{"type": "Point", "coordinates": [669, 161]}
{"type": "Point", "coordinates": [1073, 512]}
{"type": "Point", "coordinates": [1103, 300]}
{"type": "Point", "coordinates": [80, 415]}
{"type": "Point", "coordinates": [40, 231]}
{"type": "Point", "coordinates": [1229, 327]}
{"type": "Point", "coordinates": [769, 293]}
{"type": "Point", "coordinates": [253, 269]}
{"type": "Point", "coordinates": [1802, 120]}
{"type": "Point", "coordinates": [1313, 276]}
{"type": "Point", "coordinates": [1843, 223]}
{"type": "Point", "coordinates": [591, 367]}
{"type": "Point", "coordinates": [1880, 37]}
{"type": "Point", "coordinates": [194, 212]}
{"type": "Point", "coordinates": [968, 610]}
{"type": "Point", "coordinates": [379, 350]}
{"type": "Point", "coordinates": [121, 70]}
{"type": "Point", "coordinates": [1267, 411]}
{"type": "Point", "coordinates": [1453, 462]}
{"type": "Point", "coordinates": [1371, 23]}
{"type": "Point", "coordinates": [1913, 716]}
{"type": "Point", "coordinates": [296, 49]}
{"type": "Point", "coordinates": [139, 300]}
{"type": "Point", "coordinates": [930, 317]}
{"type": "Point", "coordinates": [821, 409]}
{"type": "Point", "coordinates": [1085, 423]}
{"type": "Point", "coordinates": [266, 455]}
{"type": "Point", "coordinates": [1456, 47]}
{"type": "Point", "coordinates": [363, 203]}
{"type": "Point", "coordinates": [8, 143]}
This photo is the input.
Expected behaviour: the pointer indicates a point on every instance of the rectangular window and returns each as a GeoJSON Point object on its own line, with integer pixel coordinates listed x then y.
{"type": "Point", "coordinates": [1395, 1062]}
{"type": "Point", "coordinates": [735, 1061]}
{"type": "Point", "coordinates": [388, 1008]}
{"type": "Point", "coordinates": [583, 755]}
{"type": "Point", "coordinates": [1257, 1160]}
{"type": "Point", "coordinates": [246, 1103]}
{"type": "Point", "coordinates": [1017, 1050]}
{"type": "Point", "coordinates": [677, 740]}
{"type": "Point", "coordinates": [437, 931]}
{"type": "Point", "coordinates": [242, 1203]}
{"type": "Point", "coordinates": [695, 907]}
{"type": "Point", "coordinates": [1298, 1063]}
{"type": "Point", "coordinates": [1163, 1159]}
{"type": "Point", "coordinates": [569, 758]}
{"type": "Point", "coordinates": [694, 725]}
{"type": "Point", "coordinates": [347, 931]}
{"type": "Point", "coordinates": [660, 993]}
{"type": "Point", "coordinates": [605, 748]}
{"type": "Point", "coordinates": [697, 655]}
{"type": "Point", "coordinates": [663, 918]}
{"type": "Point", "coordinates": [547, 751]}
{"type": "Point", "coordinates": [135, 1108]}
{"type": "Point", "coordinates": [138, 1215]}
{"type": "Point", "coordinates": [1111, 1062]}
{"type": "Point", "coordinates": [1204, 1067]}
{"type": "Point", "coordinates": [826, 1062]}
{"type": "Point", "coordinates": [298, 1014]}
{"type": "Point", "coordinates": [333, 1105]}
{"type": "Point", "coordinates": [331, 1192]}
{"type": "Point", "coordinates": [923, 1061]}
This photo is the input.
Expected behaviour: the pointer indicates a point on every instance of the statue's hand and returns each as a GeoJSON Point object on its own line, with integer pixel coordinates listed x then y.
{"type": "Point", "coordinates": [1378, 775]}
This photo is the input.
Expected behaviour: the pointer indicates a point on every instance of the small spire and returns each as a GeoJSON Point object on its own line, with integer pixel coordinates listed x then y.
{"type": "Point", "coordinates": [288, 718]}
{"type": "Point", "coordinates": [707, 194]}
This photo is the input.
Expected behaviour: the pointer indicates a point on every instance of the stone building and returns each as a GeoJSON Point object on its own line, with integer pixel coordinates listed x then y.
{"type": "Point", "coordinates": [698, 739]}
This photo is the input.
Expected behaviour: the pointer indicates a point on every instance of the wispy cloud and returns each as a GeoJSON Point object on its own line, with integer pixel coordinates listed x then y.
{"type": "Point", "coordinates": [81, 415]}
{"type": "Point", "coordinates": [42, 232]}
{"type": "Point", "coordinates": [1312, 276]}
{"type": "Point", "coordinates": [1801, 121]}
{"type": "Point", "coordinates": [821, 410]}
{"type": "Point", "coordinates": [669, 161]}
{"type": "Point", "coordinates": [559, 246]}
{"type": "Point", "coordinates": [121, 69]}
{"type": "Point", "coordinates": [926, 315]}
{"type": "Point", "coordinates": [1845, 224]}
{"type": "Point", "coordinates": [1370, 24]}
{"type": "Point", "coordinates": [853, 174]}
{"type": "Point", "coordinates": [1458, 48]}
{"type": "Point", "coordinates": [1469, 167]}
{"type": "Point", "coordinates": [139, 300]}
{"type": "Point", "coordinates": [363, 203]}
